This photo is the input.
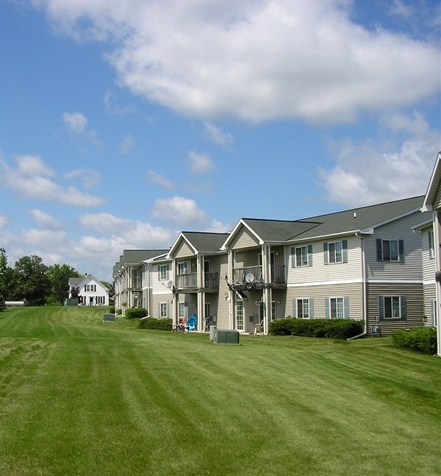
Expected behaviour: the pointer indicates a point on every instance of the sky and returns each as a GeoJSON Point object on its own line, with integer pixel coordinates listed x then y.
{"type": "Point", "coordinates": [124, 122]}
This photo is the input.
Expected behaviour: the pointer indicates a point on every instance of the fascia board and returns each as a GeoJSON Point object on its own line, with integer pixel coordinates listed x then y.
{"type": "Point", "coordinates": [423, 225]}
{"type": "Point", "coordinates": [176, 243]}
{"type": "Point", "coordinates": [433, 185]}
{"type": "Point", "coordinates": [325, 237]}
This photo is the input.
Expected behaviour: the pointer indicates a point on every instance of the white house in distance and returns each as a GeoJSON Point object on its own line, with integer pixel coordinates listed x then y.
{"type": "Point", "coordinates": [90, 291]}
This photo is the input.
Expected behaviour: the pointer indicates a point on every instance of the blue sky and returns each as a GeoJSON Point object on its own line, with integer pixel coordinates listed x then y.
{"type": "Point", "coordinates": [123, 123]}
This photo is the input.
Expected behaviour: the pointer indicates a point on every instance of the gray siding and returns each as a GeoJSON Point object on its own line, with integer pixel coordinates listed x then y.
{"type": "Point", "coordinates": [244, 239]}
{"type": "Point", "coordinates": [183, 250]}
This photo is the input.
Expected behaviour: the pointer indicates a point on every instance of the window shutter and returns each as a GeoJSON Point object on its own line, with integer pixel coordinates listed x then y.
{"type": "Point", "coordinates": [325, 252]}
{"type": "Point", "coordinates": [327, 316]}
{"type": "Point", "coordinates": [293, 257]}
{"type": "Point", "coordinates": [294, 308]}
{"type": "Point", "coordinates": [401, 250]}
{"type": "Point", "coordinates": [381, 307]}
{"type": "Point", "coordinates": [309, 255]}
{"type": "Point", "coordinates": [379, 250]}
{"type": "Point", "coordinates": [403, 303]}
{"type": "Point", "coordinates": [346, 307]}
{"type": "Point", "coordinates": [311, 308]}
{"type": "Point", "coordinates": [159, 310]}
{"type": "Point", "coordinates": [168, 269]}
{"type": "Point", "coordinates": [344, 245]}
{"type": "Point", "coordinates": [159, 273]}
{"type": "Point", "coordinates": [167, 310]}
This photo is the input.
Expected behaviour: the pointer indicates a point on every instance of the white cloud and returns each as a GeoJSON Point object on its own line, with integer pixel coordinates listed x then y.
{"type": "Point", "coordinates": [30, 181]}
{"type": "Point", "coordinates": [5, 221]}
{"type": "Point", "coordinates": [127, 144]}
{"type": "Point", "coordinates": [158, 179]}
{"type": "Point", "coordinates": [256, 60]}
{"type": "Point", "coordinates": [200, 163]}
{"type": "Point", "coordinates": [182, 212]}
{"type": "Point", "coordinates": [45, 220]}
{"type": "Point", "coordinates": [380, 170]}
{"type": "Point", "coordinates": [75, 122]}
{"type": "Point", "coordinates": [217, 135]}
{"type": "Point", "coordinates": [90, 178]}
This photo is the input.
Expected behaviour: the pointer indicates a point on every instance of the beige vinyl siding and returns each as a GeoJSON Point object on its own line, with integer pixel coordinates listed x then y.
{"type": "Point", "coordinates": [247, 258]}
{"type": "Point", "coordinates": [428, 262]}
{"type": "Point", "coordinates": [411, 269]}
{"type": "Point", "coordinates": [414, 304]}
{"type": "Point", "coordinates": [223, 304]}
{"type": "Point", "coordinates": [354, 291]}
{"type": "Point", "coordinates": [429, 296]}
{"type": "Point", "coordinates": [244, 239]}
{"type": "Point", "coordinates": [158, 298]}
{"type": "Point", "coordinates": [183, 250]}
{"type": "Point", "coordinates": [320, 272]}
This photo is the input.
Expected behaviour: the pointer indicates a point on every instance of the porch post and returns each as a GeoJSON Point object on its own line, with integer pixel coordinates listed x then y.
{"type": "Point", "coordinates": [437, 244]}
{"type": "Point", "coordinates": [266, 274]}
{"type": "Point", "coordinates": [230, 292]}
{"type": "Point", "coordinates": [200, 295]}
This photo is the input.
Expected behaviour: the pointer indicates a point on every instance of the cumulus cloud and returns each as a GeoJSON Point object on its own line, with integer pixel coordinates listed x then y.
{"type": "Point", "coordinates": [256, 60]}
{"type": "Point", "coordinates": [5, 221]}
{"type": "Point", "coordinates": [378, 170]}
{"type": "Point", "coordinates": [90, 178]}
{"type": "Point", "coordinates": [200, 163]}
{"type": "Point", "coordinates": [45, 220]}
{"type": "Point", "coordinates": [217, 135]}
{"type": "Point", "coordinates": [158, 179]}
{"type": "Point", "coordinates": [182, 212]}
{"type": "Point", "coordinates": [76, 124]}
{"type": "Point", "coordinates": [112, 107]}
{"type": "Point", "coordinates": [30, 180]}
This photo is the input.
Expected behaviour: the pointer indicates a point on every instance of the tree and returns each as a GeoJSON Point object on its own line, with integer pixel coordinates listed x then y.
{"type": "Point", "coordinates": [7, 281]}
{"type": "Point", "coordinates": [3, 268]}
{"type": "Point", "coordinates": [33, 283]}
{"type": "Point", "coordinates": [59, 278]}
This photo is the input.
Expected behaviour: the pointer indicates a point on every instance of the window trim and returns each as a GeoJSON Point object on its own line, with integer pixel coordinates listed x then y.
{"type": "Point", "coordinates": [345, 308]}
{"type": "Point", "coordinates": [380, 242]}
{"type": "Point", "coordinates": [402, 307]}
{"type": "Point", "coordinates": [307, 262]}
{"type": "Point", "coordinates": [166, 269]}
{"type": "Point", "coordinates": [430, 238]}
{"type": "Point", "coordinates": [310, 304]}
{"type": "Point", "coordinates": [327, 252]}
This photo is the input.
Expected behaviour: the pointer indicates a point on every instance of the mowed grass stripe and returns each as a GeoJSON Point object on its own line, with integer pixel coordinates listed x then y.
{"type": "Point", "coordinates": [109, 398]}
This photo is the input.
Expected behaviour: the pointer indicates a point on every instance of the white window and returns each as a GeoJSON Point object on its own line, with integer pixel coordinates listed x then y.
{"type": "Point", "coordinates": [182, 310]}
{"type": "Point", "coordinates": [163, 272]}
{"type": "Point", "coordinates": [182, 267]}
{"type": "Point", "coordinates": [302, 308]}
{"type": "Point", "coordinates": [239, 315]}
{"type": "Point", "coordinates": [301, 256]}
{"type": "Point", "coordinates": [163, 309]}
{"type": "Point", "coordinates": [431, 248]}
{"type": "Point", "coordinates": [390, 250]}
{"type": "Point", "coordinates": [90, 287]}
{"type": "Point", "coordinates": [433, 305]}
{"type": "Point", "coordinates": [100, 300]}
{"type": "Point", "coordinates": [273, 310]}
{"type": "Point", "coordinates": [337, 307]}
{"type": "Point", "coordinates": [336, 252]}
{"type": "Point", "coordinates": [207, 309]}
{"type": "Point", "coordinates": [392, 307]}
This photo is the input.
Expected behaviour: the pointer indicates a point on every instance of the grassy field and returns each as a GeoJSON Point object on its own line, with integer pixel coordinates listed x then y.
{"type": "Point", "coordinates": [83, 397]}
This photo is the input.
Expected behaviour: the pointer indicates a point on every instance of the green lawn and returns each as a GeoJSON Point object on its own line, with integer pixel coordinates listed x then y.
{"type": "Point", "coordinates": [83, 397]}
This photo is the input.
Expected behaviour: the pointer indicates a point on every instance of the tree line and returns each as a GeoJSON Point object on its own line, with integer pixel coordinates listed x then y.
{"type": "Point", "coordinates": [31, 280]}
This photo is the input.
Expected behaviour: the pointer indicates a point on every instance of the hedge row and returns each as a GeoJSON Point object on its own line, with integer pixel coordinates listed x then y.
{"type": "Point", "coordinates": [333, 328]}
{"type": "Point", "coordinates": [136, 313]}
{"type": "Point", "coordinates": [157, 324]}
{"type": "Point", "coordinates": [420, 339]}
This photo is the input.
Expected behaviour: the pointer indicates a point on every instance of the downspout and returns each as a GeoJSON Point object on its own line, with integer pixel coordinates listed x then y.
{"type": "Point", "coordinates": [364, 290]}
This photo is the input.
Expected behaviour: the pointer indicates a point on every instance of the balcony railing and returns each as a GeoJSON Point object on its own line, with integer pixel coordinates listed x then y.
{"type": "Point", "coordinates": [189, 281]}
{"type": "Point", "coordinates": [136, 283]}
{"type": "Point", "coordinates": [255, 273]}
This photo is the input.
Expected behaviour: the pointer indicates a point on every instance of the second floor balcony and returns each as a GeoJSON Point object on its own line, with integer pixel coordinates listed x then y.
{"type": "Point", "coordinates": [250, 274]}
{"type": "Point", "coordinates": [190, 281]}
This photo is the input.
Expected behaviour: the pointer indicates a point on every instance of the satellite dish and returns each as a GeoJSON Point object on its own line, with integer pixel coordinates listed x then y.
{"type": "Point", "coordinates": [249, 278]}
{"type": "Point", "coordinates": [170, 284]}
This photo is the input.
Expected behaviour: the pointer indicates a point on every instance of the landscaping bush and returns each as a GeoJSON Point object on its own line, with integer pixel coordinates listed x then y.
{"type": "Point", "coordinates": [112, 309]}
{"type": "Point", "coordinates": [136, 313]}
{"type": "Point", "coordinates": [119, 312]}
{"type": "Point", "coordinates": [157, 324]}
{"type": "Point", "coordinates": [331, 328]}
{"type": "Point", "coordinates": [420, 339]}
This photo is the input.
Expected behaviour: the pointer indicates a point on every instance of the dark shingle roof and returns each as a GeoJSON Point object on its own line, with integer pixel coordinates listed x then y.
{"type": "Point", "coordinates": [205, 242]}
{"type": "Point", "coordinates": [138, 256]}
{"type": "Point", "coordinates": [347, 221]}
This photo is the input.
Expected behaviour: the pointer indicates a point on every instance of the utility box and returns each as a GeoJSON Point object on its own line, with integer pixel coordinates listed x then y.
{"type": "Point", "coordinates": [72, 302]}
{"type": "Point", "coordinates": [212, 332]}
{"type": "Point", "coordinates": [226, 337]}
{"type": "Point", "coordinates": [108, 317]}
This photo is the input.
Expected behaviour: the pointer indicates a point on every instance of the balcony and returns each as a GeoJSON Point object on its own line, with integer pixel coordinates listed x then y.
{"type": "Point", "coordinates": [255, 275]}
{"type": "Point", "coordinates": [136, 284]}
{"type": "Point", "coordinates": [190, 281]}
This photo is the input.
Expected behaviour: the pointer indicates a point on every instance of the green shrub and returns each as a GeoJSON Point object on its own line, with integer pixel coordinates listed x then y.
{"type": "Point", "coordinates": [331, 328]}
{"type": "Point", "coordinates": [157, 324]}
{"type": "Point", "coordinates": [119, 312]}
{"type": "Point", "coordinates": [136, 313]}
{"type": "Point", "coordinates": [112, 309]}
{"type": "Point", "coordinates": [420, 339]}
